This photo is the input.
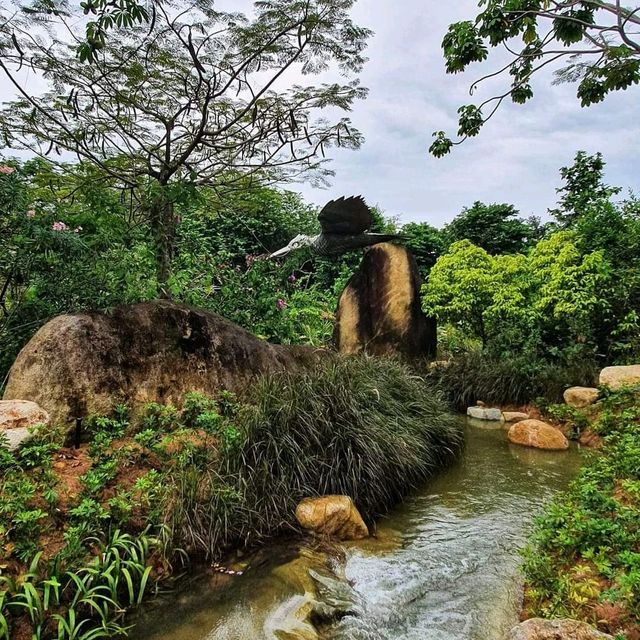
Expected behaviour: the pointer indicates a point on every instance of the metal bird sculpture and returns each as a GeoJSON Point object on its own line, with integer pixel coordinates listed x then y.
{"type": "Point", "coordinates": [344, 223]}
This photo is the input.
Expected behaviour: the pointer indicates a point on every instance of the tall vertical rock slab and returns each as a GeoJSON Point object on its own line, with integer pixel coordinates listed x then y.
{"type": "Point", "coordinates": [379, 311]}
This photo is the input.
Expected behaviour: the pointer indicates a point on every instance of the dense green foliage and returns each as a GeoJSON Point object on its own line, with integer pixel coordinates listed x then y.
{"type": "Point", "coordinates": [584, 560]}
{"type": "Point", "coordinates": [569, 300]}
{"type": "Point", "coordinates": [597, 39]}
{"type": "Point", "coordinates": [496, 228]}
{"type": "Point", "coordinates": [88, 603]}
{"type": "Point", "coordinates": [426, 243]}
{"type": "Point", "coordinates": [500, 380]}
{"type": "Point", "coordinates": [215, 474]}
{"type": "Point", "coordinates": [563, 306]}
{"type": "Point", "coordinates": [189, 99]}
{"type": "Point", "coordinates": [69, 241]}
{"type": "Point", "coordinates": [363, 427]}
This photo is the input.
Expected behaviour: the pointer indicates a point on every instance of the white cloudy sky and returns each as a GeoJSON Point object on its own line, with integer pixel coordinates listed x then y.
{"type": "Point", "coordinates": [516, 157]}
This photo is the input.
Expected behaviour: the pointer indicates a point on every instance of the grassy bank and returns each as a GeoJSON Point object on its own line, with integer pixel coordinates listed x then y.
{"type": "Point", "coordinates": [87, 532]}
{"type": "Point", "coordinates": [520, 380]}
{"type": "Point", "coordinates": [583, 560]}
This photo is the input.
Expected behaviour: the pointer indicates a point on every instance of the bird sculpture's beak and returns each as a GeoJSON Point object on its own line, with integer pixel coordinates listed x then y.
{"type": "Point", "coordinates": [280, 252]}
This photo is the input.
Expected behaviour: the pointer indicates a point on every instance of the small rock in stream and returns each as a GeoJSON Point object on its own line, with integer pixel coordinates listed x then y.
{"type": "Point", "coordinates": [485, 413]}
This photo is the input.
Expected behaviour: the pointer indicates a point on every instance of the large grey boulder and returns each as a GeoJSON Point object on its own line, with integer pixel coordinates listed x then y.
{"type": "Point", "coordinates": [83, 364]}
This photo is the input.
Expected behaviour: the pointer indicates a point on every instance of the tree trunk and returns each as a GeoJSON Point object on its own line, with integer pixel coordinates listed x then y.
{"type": "Point", "coordinates": [164, 226]}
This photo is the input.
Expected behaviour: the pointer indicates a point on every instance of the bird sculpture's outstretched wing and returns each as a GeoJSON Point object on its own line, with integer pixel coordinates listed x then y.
{"type": "Point", "coordinates": [346, 216]}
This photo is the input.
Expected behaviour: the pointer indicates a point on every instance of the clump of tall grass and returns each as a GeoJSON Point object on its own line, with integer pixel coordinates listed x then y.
{"type": "Point", "coordinates": [363, 427]}
{"type": "Point", "coordinates": [515, 380]}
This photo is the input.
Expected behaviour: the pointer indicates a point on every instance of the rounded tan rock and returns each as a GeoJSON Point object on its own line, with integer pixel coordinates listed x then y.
{"type": "Point", "coordinates": [514, 416]}
{"type": "Point", "coordinates": [617, 377]}
{"type": "Point", "coordinates": [20, 414]}
{"type": "Point", "coordinates": [334, 516]}
{"type": "Point", "coordinates": [580, 397]}
{"type": "Point", "coordinates": [538, 434]}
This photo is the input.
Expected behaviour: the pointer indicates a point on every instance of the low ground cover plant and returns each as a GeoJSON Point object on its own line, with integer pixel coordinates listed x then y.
{"type": "Point", "coordinates": [584, 557]}
{"type": "Point", "coordinates": [365, 427]}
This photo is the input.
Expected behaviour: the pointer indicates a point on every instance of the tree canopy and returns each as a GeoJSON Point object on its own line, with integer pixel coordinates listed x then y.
{"type": "Point", "coordinates": [599, 42]}
{"type": "Point", "coordinates": [194, 97]}
{"type": "Point", "coordinates": [496, 228]}
{"type": "Point", "coordinates": [583, 187]}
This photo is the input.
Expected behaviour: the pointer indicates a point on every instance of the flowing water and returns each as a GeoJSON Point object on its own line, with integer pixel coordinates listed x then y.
{"type": "Point", "coordinates": [443, 565]}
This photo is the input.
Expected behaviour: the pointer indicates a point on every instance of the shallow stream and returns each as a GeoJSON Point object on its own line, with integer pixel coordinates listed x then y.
{"type": "Point", "coordinates": [443, 565]}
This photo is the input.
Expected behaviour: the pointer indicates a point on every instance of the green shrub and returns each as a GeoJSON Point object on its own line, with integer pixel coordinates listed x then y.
{"type": "Point", "coordinates": [477, 376]}
{"type": "Point", "coordinates": [584, 550]}
{"type": "Point", "coordinates": [88, 603]}
{"type": "Point", "coordinates": [194, 404]}
{"type": "Point", "coordinates": [367, 428]}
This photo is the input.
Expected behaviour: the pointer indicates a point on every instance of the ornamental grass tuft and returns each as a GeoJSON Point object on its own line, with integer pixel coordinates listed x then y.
{"type": "Point", "coordinates": [367, 428]}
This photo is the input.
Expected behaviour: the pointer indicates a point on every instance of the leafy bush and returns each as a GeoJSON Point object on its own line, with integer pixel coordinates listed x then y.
{"type": "Point", "coordinates": [367, 428]}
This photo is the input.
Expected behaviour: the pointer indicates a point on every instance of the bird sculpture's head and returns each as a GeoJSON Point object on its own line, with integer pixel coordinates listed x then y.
{"type": "Point", "coordinates": [299, 242]}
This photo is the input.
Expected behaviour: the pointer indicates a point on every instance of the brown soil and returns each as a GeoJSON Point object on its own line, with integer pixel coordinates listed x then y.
{"type": "Point", "coordinates": [68, 466]}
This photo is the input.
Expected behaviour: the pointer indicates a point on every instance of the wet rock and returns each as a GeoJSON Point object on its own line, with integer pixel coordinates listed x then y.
{"type": "Point", "coordinates": [580, 397]}
{"type": "Point", "coordinates": [514, 416]}
{"type": "Point", "coordinates": [484, 413]}
{"type": "Point", "coordinates": [617, 377]}
{"type": "Point", "coordinates": [19, 414]}
{"type": "Point", "coordinates": [83, 364]}
{"type": "Point", "coordinates": [539, 629]}
{"type": "Point", "coordinates": [291, 620]}
{"type": "Point", "coordinates": [379, 311]}
{"type": "Point", "coordinates": [538, 434]}
{"type": "Point", "coordinates": [337, 596]}
{"type": "Point", "coordinates": [334, 516]}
